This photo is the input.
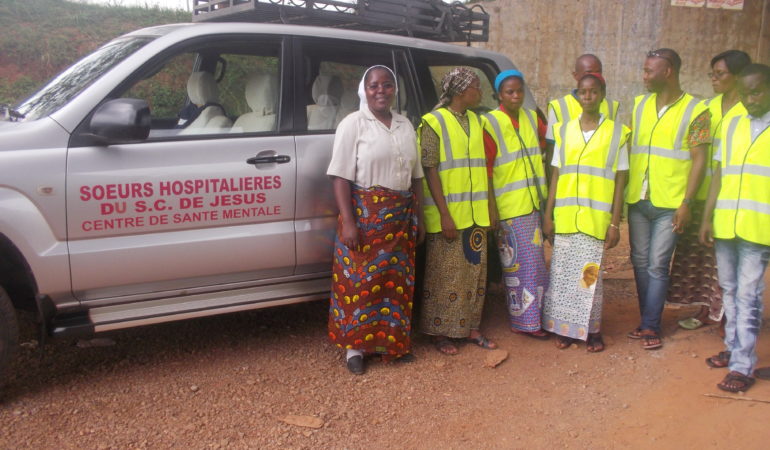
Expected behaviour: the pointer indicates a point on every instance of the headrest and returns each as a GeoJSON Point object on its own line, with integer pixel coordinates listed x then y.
{"type": "Point", "coordinates": [202, 89]}
{"type": "Point", "coordinates": [327, 90]}
{"type": "Point", "coordinates": [262, 93]}
{"type": "Point", "coordinates": [349, 100]}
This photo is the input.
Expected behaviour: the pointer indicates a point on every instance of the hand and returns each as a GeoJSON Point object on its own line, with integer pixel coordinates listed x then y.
{"type": "Point", "coordinates": [349, 236]}
{"type": "Point", "coordinates": [706, 234]}
{"type": "Point", "coordinates": [681, 218]}
{"type": "Point", "coordinates": [448, 229]}
{"type": "Point", "coordinates": [493, 217]}
{"type": "Point", "coordinates": [548, 229]}
{"type": "Point", "coordinates": [420, 232]}
{"type": "Point", "coordinates": [612, 238]}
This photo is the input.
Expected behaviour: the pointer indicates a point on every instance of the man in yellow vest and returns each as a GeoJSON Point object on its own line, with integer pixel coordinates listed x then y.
{"type": "Point", "coordinates": [564, 109]}
{"type": "Point", "coordinates": [737, 219]}
{"type": "Point", "coordinates": [668, 155]}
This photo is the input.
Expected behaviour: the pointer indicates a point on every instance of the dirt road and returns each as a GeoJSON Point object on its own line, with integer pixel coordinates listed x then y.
{"type": "Point", "coordinates": [228, 382]}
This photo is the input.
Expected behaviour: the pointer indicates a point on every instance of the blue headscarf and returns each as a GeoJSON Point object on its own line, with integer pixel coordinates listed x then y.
{"type": "Point", "coordinates": [504, 75]}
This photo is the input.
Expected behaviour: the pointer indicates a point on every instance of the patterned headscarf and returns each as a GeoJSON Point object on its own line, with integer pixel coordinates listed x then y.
{"type": "Point", "coordinates": [456, 81]}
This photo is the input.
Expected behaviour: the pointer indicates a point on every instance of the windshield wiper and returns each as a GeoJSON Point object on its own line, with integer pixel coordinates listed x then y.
{"type": "Point", "coordinates": [10, 114]}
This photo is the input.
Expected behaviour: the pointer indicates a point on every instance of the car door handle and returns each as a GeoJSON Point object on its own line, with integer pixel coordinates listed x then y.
{"type": "Point", "coordinates": [279, 159]}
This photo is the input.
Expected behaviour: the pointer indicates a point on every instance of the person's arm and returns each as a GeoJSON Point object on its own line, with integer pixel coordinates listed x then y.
{"type": "Point", "coordinates": [698, 139]}
{"type": "Point", "coordinates": [613, 230]}
{"type": "Point", "coordinates": [548, 226]}
{"type": "Point", "coordinates": [706, 233]}
{"type": "Point", "coordinates": [490, 150]}
{"type": "Point", "coordinates": [418, 209]}
{"type": "Point", "coordinates": [448, 228]}
{"type": "Point", "coordinates": [344, 198]}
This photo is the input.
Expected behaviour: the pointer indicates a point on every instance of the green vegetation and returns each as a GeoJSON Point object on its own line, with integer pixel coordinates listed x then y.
{"type": "Point", "coordinates": [40, 38]}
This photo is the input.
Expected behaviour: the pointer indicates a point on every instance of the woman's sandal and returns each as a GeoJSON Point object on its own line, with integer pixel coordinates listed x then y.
{"type": "Point", "coordinates": [736, 382]}
{"type": "Point", "coordinates": [718, 361]}
{"type": "Point", "coordinates": [445, 346]}
{"type": "Point", "coordinates": [541, 335]}
{"type": "Point", "coordinates": [482, 342]}
{"type": "Point", "coordinates": [651, 341]}
{"type": "Point", "coordinates": [595, 343]}
{"type": "Point", "coordinates": [563, 342]}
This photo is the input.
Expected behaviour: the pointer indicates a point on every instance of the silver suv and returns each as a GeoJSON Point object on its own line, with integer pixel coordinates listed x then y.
{"type": "Point", "coordinates": [179, 171]}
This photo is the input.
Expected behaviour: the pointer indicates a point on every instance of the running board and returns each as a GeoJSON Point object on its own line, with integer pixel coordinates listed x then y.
{"type": "Point", "coordinates": [115, 317]}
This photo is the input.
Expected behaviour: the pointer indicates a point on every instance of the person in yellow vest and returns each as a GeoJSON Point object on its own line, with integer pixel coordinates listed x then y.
{"type": "Point", "coordinates": [736, 221]}
{"type": "Point", "coordinates": [512, 143]}
{"type": "Point", "coordinates": [694, 269]}
{"type": "Point", "coordinates": [456, 215]}
{"type": "Point", "coordinates": [668, 155]}
{"type": "Point", "coordinates": [564, 109]}
{"type": "Point", "coordinates": [582, 216]}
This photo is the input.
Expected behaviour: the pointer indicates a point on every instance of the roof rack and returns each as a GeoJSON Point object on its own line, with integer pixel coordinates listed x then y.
{"type": "Point", "coordinates": [427, 19]}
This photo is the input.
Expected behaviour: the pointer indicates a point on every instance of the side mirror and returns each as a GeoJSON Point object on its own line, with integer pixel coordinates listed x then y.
{"type": "Point", "coordinates": [121, 121]}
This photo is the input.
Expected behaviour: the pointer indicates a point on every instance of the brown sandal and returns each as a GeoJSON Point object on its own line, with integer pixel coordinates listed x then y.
{"type": "Point", "coordinates": [736, 382]}
{"type": "Point", "coordinates": [595, 343]}
{"type": "Point", "coordinates": [563, 342]}
{"type": "Point", "coordinates": [718, 361]}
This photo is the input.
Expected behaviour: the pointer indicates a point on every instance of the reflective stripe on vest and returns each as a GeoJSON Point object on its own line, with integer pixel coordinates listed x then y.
{"type": "Point", "coordinates": [518, 153]}
{"type": "Point", "coordinates": [568, 107]}
{"type": "Point", "coordinates": [461, 169]}
{"type": "Point", "coordinates": [743, 206]}
{"type": "Point", "coordinates": [586, 185]}
{"type": "Point", "coordinates": [659, 150]}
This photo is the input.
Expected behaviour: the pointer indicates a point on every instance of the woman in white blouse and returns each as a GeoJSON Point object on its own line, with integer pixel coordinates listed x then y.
{"type": "Point", "coordinates": [376, 174]}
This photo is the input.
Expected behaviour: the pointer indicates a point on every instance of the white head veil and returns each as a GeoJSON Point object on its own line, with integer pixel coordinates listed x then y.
{"type": "Point", "coordinates": [362, 89]}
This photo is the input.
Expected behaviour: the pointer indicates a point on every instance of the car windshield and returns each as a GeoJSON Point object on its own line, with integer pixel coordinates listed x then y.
{"type": "Point", "coordinates": [65, 86]}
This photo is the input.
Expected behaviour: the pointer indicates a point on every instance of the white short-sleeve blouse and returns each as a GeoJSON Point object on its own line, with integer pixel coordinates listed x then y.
{"type": "Point", "coordinates": [368, 154]}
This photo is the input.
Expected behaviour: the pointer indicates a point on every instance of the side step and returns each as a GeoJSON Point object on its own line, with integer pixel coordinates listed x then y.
{"type": "Point", "coordinates": [115, 317]}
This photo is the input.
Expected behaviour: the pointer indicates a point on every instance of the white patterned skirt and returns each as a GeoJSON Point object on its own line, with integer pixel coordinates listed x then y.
{"type": "Point", "coordinates": [572, 306]}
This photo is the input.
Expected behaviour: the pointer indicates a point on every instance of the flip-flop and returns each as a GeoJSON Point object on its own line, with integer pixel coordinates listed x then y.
{"type": "Point", "coordinates": [445, 346]}
{"type": "Point", "coordinates": [649, 343]}
{"type": "Point", "coordinates": [744, 382]}
{"type": "Point", "coordinates": [719, 361]}
{"type": "Point", "coordinates": [482, 342]}
{"type": "Point", "coordinates": [763, 373]}
{"type": "Point", "coordinates": [539, 335]}
{"type": "Point", "coordinates": [635, 334]}
{"type": "Point", "coordinates": [691, 323]}
{"type": "Point", "coordinates": [563, 342]}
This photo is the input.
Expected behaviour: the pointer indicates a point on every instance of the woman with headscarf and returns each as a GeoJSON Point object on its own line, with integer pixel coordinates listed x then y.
{"type": "Point", "coordinates": [693, 268]}
{"type": "Point", "coordinates": [456, 214]}
{"type": "Point", "coordinates": [584, 208]}
{"type": "Point", "coordinates": [513, 139]}
{"type": "Point", "coordinates": [376, 174]}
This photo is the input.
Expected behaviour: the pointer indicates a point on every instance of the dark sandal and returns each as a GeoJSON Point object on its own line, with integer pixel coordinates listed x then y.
{"type": "Point", "coordinates": [736, 382]}
{"type": "Point", "coordinates": [563, 342]}
{"type": "Point", "coordinates": [635, 334]}
{"type": "Point", "coordinates": [718, 361]}
{"type": "Point", "coordinates": [539, 334]}
{"type": "Point", "coordinates": [651, 341]}
{"type": "Point", "coordinates": [445, 346]}
{"type": "Point", "coordinates": [482, 342]}
{"type": "Point", "coordinates": [595, 343]}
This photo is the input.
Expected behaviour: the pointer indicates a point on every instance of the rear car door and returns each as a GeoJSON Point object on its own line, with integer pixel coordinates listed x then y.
{"type": "Point", "coordinates": [207, 201]}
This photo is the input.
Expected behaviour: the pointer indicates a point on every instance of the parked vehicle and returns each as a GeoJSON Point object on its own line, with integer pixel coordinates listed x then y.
{"type": "Point", "coordinates": [179, 171]}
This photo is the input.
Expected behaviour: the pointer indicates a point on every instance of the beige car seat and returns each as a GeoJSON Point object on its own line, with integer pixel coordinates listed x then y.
{"type": "Point", "coordinates": [326, 92]}
{"type": "Point", "coordinates": [202, 90]}
{"type": "Point", "coordinates": [262, 97]}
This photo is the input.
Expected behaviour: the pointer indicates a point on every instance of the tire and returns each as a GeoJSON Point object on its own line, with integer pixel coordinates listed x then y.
{"type": "Point", "coordinates": [9, 336]}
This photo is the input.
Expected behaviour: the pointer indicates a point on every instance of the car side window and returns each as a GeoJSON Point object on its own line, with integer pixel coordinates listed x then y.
{"type": "Point", "coordinates": [332, 78]}
{"type": "Point", "coordinates": [214, 90]}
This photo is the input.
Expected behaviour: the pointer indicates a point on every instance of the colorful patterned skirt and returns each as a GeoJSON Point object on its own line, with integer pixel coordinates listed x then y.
{"type": "Point", "coordinates": [373, 286]}
{"type": "Point", "coordinates": [694, 270]}
{"type": "Point", "coordinates": [520, 244]}
{"type": "Point", "coordinates": [455, 283]}
{"type": "Point", "coordinates": [573, 303]}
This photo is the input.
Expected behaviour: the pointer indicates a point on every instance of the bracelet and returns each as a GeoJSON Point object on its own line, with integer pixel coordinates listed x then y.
{"type": "Point", "coordinates": [614, 226]}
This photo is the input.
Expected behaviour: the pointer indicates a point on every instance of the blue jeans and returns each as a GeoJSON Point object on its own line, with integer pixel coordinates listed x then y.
{"type": "Point", "coordinates": [652, 245]}
{"type": "Point", "coordinates": [741, 267]}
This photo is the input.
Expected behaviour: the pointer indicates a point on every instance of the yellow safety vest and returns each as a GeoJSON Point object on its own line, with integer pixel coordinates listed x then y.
{"type": "Point", "coordinates": [568, 107]}
{"type": "Point", "coordinates": [743, 205]}
{"type": "Point", "coordinates": [518, 167]}
{"type": "Point", "coordinates": [659, 150]}
{"type": "Point", "coordinates": [462, 169]}
{"type": "Point", "coordinates": [714, 106]}
{"type": "Point", "coordinates": [586, 186]}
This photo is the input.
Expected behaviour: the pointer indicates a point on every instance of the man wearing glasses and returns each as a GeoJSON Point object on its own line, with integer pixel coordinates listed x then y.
{"type": "Point", "coordinates": [668, 156]}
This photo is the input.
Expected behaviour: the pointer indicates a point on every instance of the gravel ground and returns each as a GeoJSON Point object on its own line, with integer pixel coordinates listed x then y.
{"type": "Point", "coordinates": [270, 379]}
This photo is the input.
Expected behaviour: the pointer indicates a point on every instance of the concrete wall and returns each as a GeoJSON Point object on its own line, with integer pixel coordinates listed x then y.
{"type": "Point", "coordinates": [543, 38]}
